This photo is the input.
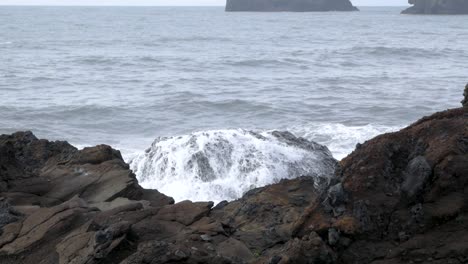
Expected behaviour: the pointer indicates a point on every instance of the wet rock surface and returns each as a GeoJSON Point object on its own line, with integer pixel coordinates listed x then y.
{"type": "Point", "coordinates": [437, 7]}
{"type": "Point", "coordinates": [289, 5]}
{"type": "Point", "coordinates": [399, 198]}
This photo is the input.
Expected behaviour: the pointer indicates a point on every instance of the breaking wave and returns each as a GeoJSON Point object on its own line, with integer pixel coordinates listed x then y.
{"type": "Point", "coordinates": [339, 138]}
{"type": "Point", "coordinates": [224, 164]}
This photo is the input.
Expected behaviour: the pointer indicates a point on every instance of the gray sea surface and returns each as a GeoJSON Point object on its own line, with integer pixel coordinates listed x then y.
{"type": "Point", "coordinates": [127, 75]}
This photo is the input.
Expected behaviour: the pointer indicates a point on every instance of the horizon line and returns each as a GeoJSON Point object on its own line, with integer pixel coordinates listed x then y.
{"type": "Point", "coordinates": [162, 5]}
{"type": "Point", "coordinates": [60, 5]}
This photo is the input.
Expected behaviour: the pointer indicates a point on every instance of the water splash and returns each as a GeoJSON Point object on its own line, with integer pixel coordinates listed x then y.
{"type": "Point", "coordinates": [224, 164]}
{"type": "Point", "coordinates": [339, 138]}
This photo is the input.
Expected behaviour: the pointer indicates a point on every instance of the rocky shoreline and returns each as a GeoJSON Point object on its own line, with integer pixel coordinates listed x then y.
{"type": "Point", "coordinates": [399, 198]}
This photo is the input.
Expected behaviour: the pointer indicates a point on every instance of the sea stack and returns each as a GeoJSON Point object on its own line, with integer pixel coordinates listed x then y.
{"type": "Point", "coordinates": [289, 5]}
{"type": "Point", "coordinates": [441, 7]}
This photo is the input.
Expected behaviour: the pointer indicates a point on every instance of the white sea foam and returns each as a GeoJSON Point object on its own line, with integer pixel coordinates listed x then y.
{"type": "Point", "coordinates": [339, 138]}
{"type": "Point", "coordinates": [224, 164]}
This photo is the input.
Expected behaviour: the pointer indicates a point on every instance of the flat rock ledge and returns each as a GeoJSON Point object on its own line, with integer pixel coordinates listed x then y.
{"type": "Point", "coordinates": [289, 5]}
{"type": "Point", "coordinates": [398, 198]}
{"type": "Point", "coordinates": [437, 7]}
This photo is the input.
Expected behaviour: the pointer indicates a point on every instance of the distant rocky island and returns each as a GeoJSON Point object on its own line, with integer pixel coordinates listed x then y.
{"type": "Point", "coordinates": [399, 198]}
{"type": "Point", "coordinates": [442, 7]}
{"type": "Point", "coordinates": [289, 5]}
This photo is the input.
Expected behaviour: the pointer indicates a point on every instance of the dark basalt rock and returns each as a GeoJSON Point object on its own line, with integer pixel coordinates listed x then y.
{"type": "Point", "coordinates": [416, 175]}
{"type": "Point", "coordinates": [440, 7]}
{"type": "Point", "coordinates": [289, 5]}
{"type": "Point", "coordinates": [7, 214]}
{"type": "Point", "coordinates": [399, 198]}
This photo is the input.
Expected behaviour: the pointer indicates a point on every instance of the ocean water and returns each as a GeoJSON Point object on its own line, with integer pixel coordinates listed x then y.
{"type": "Point", "coordinates": [127, 76]}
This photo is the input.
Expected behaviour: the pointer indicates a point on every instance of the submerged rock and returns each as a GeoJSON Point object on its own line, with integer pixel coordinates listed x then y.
{"type": "Point", "coordinates": [441, 7]}
{"type": "Point", "coordinates": [289, 5]}
{"type": "Point", "coordinates": [204, 165]}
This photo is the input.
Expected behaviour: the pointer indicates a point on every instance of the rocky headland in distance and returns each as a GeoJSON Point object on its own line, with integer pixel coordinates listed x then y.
{"type": "Point", "coordinates": [437, 7]}
{"type": "Point", "coordinates": [289, 5]}
{"type": "Point", "coordinates": [399, 198]}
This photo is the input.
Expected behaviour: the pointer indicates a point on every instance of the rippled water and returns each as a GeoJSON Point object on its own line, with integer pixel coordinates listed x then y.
{"type": "Point", "coordinates": [125, 76]}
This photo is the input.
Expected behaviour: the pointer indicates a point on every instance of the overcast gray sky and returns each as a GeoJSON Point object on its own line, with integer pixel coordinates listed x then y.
{"type": "Point", "coordinates": [169, 2]}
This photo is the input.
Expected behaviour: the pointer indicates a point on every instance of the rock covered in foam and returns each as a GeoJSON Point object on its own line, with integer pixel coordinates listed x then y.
{"type": "Point", "coordinates": [442, 7]}
{"type": "Point", "coordinates": [224, 164]}
{"type": "Point", "coordinates": [289, 5]}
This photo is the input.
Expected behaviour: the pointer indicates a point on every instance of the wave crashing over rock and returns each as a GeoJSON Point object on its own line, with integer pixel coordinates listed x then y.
{"type": "Point", "coordinates": [224, 164]}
